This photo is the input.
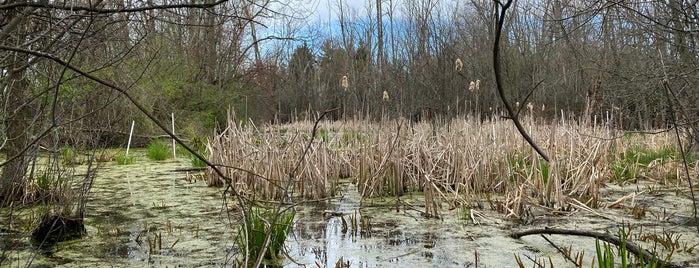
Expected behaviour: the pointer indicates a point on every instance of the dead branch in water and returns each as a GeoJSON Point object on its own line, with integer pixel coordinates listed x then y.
{"type": "Point", "coordinates": [606, 237]}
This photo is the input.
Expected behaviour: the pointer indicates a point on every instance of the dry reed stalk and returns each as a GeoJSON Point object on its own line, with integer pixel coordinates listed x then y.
{"type": "Point", "coordinates": [431, 200]}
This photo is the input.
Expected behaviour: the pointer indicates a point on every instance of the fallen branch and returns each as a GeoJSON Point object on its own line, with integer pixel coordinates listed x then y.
{"type": "Point", "coordinates": [630, 246]}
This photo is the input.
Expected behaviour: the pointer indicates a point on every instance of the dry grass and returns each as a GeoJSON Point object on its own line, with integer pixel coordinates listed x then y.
{"type": "Point", "coordinates": [459, 162]}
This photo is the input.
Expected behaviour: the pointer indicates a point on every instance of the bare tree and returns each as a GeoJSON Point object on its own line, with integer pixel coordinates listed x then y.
{"type": "Point", "coordinates": [33, 58]}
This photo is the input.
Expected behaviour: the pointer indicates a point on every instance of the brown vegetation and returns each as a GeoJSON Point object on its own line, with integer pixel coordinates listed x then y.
{"type": "Point", "coordinates": [458, 163]}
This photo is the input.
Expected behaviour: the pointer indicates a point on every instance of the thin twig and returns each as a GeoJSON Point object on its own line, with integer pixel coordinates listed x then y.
{"type": "Point", "coordinates": [668, 94]}
{"type": "Point", "coordinates": [565, 254]}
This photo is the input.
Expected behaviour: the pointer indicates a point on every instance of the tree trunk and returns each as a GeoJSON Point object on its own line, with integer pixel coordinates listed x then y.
{"type": "Point", "coordinates": [17, 115]}
{"type": "Point", "coordinates": [17, 127]}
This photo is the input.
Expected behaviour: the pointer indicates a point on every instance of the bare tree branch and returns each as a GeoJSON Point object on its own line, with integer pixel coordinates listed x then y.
{"type": "Point", "coordinates": [93, 9]}
{"type": "Point", "coordinates": [500, 21]}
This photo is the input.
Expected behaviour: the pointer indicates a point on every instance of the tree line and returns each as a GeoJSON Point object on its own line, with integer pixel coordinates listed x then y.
{"type": "Point", "coordinates": [591, 61]}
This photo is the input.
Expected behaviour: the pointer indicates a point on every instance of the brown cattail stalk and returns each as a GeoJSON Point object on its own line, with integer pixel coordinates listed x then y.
{"type": "Point", "coordinates": [344, 82]}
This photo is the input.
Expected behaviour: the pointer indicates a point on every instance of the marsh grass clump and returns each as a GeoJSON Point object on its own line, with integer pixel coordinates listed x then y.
{"type": "Point", "coordinates": [51, 192]}
{"type": "Point", "coordinates": [637, 160]}
{"type": "Point", "coordinates": [69, 155]}
{"type": "Point", "coordinates": [124, 160]}
{"type": "Point", "coordinates": [260, 223]}
{"type": "Point", "coordinates": [606, 254]}
{"type": "Point", "coordinates": [157, 151]}
{"type": "Point", "coordinates": [57, 228]}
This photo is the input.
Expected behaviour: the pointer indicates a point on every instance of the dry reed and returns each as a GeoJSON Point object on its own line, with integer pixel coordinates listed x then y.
{"type": "Point", "coordinates": [456, 164]}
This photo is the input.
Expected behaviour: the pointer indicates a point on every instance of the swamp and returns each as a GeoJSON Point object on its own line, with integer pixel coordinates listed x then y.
{"type": "Point", "coordinates": [336, 133]}
{"type": "Point", "coordinates": [367, 195]}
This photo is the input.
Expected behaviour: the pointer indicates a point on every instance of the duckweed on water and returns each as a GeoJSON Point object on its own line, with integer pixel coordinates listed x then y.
{"type": "Point", "coordinates": [478, 201]}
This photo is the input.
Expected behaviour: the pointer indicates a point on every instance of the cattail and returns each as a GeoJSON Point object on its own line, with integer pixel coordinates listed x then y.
{"type": "Point", "coordinates": [458, 65]}
{"type": "Point", "coordinates": [543, 107]}
{"type": "Point", "coordinates": [517, 104]}
{"type": "Point", "coordinates": [471, 86]}
{"type": "Point", "coordinates": [530, 106]}
{"type": "Point", "coordinates": [345, 82]}
{"type": "Point", "coordinates": [478, 84]}
{"type": "Point", "coordinates": [385, 96]}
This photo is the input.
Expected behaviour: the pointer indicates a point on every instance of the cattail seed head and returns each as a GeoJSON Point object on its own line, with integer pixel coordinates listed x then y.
{"type": "Point", "coordinates": [543, 107]}
{"type": "Point", "coordinates": [344, 83]}
{"type": "Point", "coordinates": [471, 86]}
{"type": "Point", "coordinates": [530, 106]}
{"type": "Point", "coordinates": [517, 104]}
{"type": "Point", "coordinates": [458, 65]}
{"type": "Point", "coordinates": [385, 96]}
{"type": "Point", "coordinates": [478, 84]}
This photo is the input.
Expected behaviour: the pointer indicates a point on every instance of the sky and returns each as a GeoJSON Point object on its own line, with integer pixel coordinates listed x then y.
{"type": "Point", "coordinates": [328, 10]}
{"type": "Point", "coordinates": [312, 19]}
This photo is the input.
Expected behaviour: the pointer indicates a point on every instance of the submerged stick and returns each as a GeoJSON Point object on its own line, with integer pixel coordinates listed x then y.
{"type": "Point", "coordinates": [630, 246]}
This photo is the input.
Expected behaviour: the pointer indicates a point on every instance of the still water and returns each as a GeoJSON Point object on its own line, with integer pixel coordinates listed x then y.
{"type": "Point", "coordinates": [148, 214]}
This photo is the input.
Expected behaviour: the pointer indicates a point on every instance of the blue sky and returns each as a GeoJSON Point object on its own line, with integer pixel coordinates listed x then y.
{"type": "Point", "coordinates": [314, 21]}
{"type": "Point", "coordinates": [310, 20]}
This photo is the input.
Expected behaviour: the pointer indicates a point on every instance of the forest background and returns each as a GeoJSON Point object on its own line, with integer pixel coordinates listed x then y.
{"type": "Point", "coordinates": [72, 70]}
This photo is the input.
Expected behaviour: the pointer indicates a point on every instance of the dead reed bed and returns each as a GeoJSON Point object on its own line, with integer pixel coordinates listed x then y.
{"type": "Point", "coordinates": [453, 163]}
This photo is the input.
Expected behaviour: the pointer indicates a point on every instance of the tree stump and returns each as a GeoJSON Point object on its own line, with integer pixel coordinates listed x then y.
{"type": "Point", "coordinates": [54, 229]}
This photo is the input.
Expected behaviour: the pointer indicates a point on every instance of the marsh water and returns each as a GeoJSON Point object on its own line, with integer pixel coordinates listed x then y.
{"type": "Point", "coordinates": [149, 214]}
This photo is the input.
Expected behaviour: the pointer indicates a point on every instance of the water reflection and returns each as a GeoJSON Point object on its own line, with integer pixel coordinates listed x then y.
{"type": "Point", "coordinates": [147, 215]}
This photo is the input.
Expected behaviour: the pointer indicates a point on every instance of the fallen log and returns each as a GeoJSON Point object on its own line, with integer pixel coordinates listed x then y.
{"type": "Point", "coordinates": [630, 246]}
